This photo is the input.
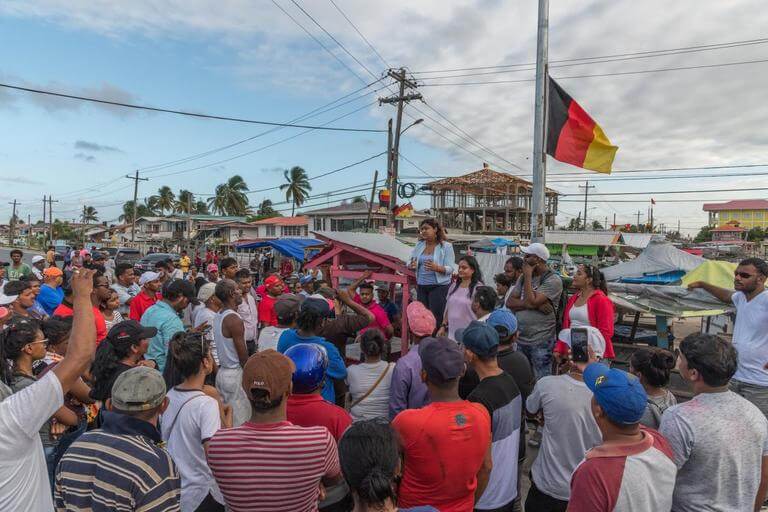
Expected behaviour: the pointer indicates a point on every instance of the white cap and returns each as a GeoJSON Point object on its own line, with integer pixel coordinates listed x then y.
{"type": "Point", "coordinates": [147, 277]}
{"type": "Point", "coordinates": [595, 339]}
{"type": "Point", "coordinates": [37, 258]}
{"type": "Point", "coordinates": [206, 291]}
{"type": "Point", "coordinates": [7, 299]}
{"type": "Point", "coordinates": [537, 249]}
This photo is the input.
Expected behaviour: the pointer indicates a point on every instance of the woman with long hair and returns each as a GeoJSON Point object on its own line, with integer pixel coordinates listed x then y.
{"type": "Point", "coordinates": [370, 380]}
{"type": "Point", "coordinates": [110, 309]}
{"type": "Point", "coordinates": [589, 306]}
{"type": "Point", "coordinates": [434, 262]}
{"type": "Point", "coordinates": [370, 460]}
{"type": "Point", "coordinates": [458, 308]}
{"type": "Point", "coordinates": [653, 365]}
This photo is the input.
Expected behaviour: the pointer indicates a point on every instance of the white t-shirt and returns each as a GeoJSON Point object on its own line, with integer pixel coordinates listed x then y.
{"type": "Point", "coordinates": [360, 378]}
{"type": "Point", "coordinates": [750, 338]}
{"type": "Point", "coordinates": [196, 423]}
{"type": "Point", "coordinates": [569, 432]}
{"type": "Point", "coordinates": [24, 481]}
{"type": "Point", "coordinates": [200, 315]}
{"type": "Point", "coordinates": [269, 337]}
{"type": "Point", "coordinates": [579, 316]}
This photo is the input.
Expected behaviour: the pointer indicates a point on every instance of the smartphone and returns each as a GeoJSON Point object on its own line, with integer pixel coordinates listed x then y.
{"type": "Point", "coordinates": [579, 344]}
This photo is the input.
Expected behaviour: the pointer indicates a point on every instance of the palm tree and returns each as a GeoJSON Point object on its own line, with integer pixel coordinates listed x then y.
{"type": "Point", "coordinates": [296, 188]}
{"type": "Point", "coordinates": [200, 207]}
{"type": "Point", "coordinates": [89, 214]}
{"type": "Point", "coordinates": [186, 199]}
{"type": "Point", "coordinates": [358, 200]}
{"type": "Point", "coordinates": [142, 210]}
{"type": "Point", "coordinates": [166, 200]}
{"type": "Point", "coordinates": [230, 198]}
{"type": "Point", "coordinates": [265, 208]}
{"type": "Point", "coordinates": [152, 205]}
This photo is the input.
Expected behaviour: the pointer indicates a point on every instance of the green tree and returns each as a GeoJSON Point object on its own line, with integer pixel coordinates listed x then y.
{"type": "Point", "coordinates": [200, 207]}
{"type": "Point", "coordinates": [142, 210]}
{"type": "Point", "coordinates": [358, 200]}
{"type": "Point", "coordinates": [756, 234]}
{"type": "Point", "coordinates": [597, 225]}
{"type": "Point", "coordinates": [296, 187]}
{"type": "Point", "coordinates": [186, 199]}
{"type": "Point", "coordinates": [152, 204]}
{"type": "Point", "coordinates": [704, 235]}
{"type": "Point", "coordinates": [166, 200]}
{"type": "Point", "coordinates": [89, 215]}
{"type": "Point", "coordinates": [230, 198]}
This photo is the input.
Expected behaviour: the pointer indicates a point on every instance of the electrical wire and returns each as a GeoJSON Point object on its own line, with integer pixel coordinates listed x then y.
{"type": "Point", "coordinates": [382, 59]}
{"type": "Point", "coordinates": [659, 192]}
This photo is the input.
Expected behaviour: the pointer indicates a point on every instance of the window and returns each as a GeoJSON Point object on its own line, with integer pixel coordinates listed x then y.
{"type": "Point", "coordinates": [271, 230]}
{"type": "Point", "coordinates": [293, 230]}
{"type": "Point", "coordinates": [759, 215]}
{"type": "Point", "coordinates": [735, 215]}
{"type": "Point", "coordinates": [746, 215]}
{"type": "Point", "coordinates": [318, 223]}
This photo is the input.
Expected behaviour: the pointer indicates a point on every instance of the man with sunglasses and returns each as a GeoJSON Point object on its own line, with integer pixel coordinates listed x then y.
{"type": "Point", "coordinates": [750, 332]}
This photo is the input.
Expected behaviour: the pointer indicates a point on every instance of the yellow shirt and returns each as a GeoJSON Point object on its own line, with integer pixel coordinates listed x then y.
{"type": "Point", "coordinates": [50, 257]}
{"type": "Point", "coordinates": [184, 263]}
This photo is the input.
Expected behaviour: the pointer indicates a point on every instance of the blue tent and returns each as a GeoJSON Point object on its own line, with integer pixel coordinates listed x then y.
{"type": "Point", "coordinates": [291, 247]}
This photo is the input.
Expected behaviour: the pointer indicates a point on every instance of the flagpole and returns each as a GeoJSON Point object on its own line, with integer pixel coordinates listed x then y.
{"type": "Point", "coordinates": [538, 201]}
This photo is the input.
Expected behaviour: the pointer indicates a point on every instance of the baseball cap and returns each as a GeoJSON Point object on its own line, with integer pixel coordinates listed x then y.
{"type": "Point", "coordinates": [37, 259]}
{"type": "Point", "coordinates": [441, 358]}
{"type": "Point", "coordinates": [53, 272]}
{"type": "Point", "coordinates": [595, 339]}
{"type": "Point", "coordinates": [317, 306]}
{"type": "Point", "coordinates": [272, 281]}
{"type": "Point", "coordinates": [131, 330]}
{"type": "Point", "coordinates": [146, 277]}
{"type": "Point", "coordinates": [7, 299]}
{"type": "Point", "coordinates": [212, 267]}
{"type": "Point", "coordinates": [139, 389]}
{"type": "Point", "coordinates": [618, 393]}
{"type": "Point", "coordinates": [421, 321]}
{"type": "Point", "coordinates": [206, 291]}
{"type": "Point", "coordinates": [269, 371]}
{"type": "Point", "coordinates": [306, 279]}
{"type": "Point", "coordinates": [503, 319]}
{"type": "Point", "coordinates": [537, 249]}
{"type": "Point", "coordinates": [84, 252]}
{"type": "Point", "coordinates": [4, 263]}
{"type": "Point", "coordinates": [185, 288]}
{"type": "Point", "coordinates": [98, 256]}
{"type": "Point", "coordinates": [288, 304]}
{"type": "Point", "coordinates": [479, 338]}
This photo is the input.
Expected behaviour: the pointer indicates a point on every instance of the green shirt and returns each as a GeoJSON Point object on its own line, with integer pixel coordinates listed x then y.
{"type": "Point", "coordinates": [16, 273]}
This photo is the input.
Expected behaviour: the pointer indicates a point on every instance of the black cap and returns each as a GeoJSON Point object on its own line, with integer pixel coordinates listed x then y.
{"type": "Point", "coordinates": [318, 306]}
{"type": "Point", "coordinates": [181, 287]}
{"type": "Point", "coordinates": [4, 264]}
{"type": "Point", "coordinates": [132, 330]}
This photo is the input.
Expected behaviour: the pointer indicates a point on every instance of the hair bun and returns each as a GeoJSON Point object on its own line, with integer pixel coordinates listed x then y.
{"type": "Point", "coordinates": [663, 359]}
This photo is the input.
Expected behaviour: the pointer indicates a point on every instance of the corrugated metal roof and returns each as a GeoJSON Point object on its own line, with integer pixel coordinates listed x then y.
{"type": "Point", "coordinates": [284, 221]}
{"type": "Point", "coordinates": [737, 204]}
{"type": "Point", "coordinates": [599, 238]}
{"type": "Point", "coordinates": [372, 242]}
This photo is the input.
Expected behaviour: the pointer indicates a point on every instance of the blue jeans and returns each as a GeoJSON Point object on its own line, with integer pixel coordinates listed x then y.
{"type": "Point", "coordinates": [540, 357]}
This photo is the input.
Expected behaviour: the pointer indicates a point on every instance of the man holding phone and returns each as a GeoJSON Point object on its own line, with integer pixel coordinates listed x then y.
{"type": "Point", "coordinates": [534, 300]}
{"type": "Point", "coordinates": [569, 427]}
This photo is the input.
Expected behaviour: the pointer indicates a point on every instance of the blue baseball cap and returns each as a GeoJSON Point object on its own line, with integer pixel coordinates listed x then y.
{"type": "Point", "coordinates": [479, 338]}
{"type": "Point", "coordinates": [505, 318]}
{"type": "Point", "coordinates": [618, 393]}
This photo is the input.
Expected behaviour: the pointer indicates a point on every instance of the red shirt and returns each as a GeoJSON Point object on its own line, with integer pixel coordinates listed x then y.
{"type": "Point", "coordinates": [380, 317]}
{"type": "Point", "coordinates": [101, 325]}
{"type": "Point", "coordinates": [275, 466]}
{"type": "Point", "coordinates": [266, 310]}
{"type": "Point", "coordinates": [600, 312]}
{"type": "Point", "coordinates": [444, 445]}
{"type": "Point", "coordinates": [140, 304]}
{"type": "Point", "coordinates": [313, 411]}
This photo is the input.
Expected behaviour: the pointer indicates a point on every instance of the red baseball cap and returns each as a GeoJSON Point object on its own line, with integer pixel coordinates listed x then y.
{"type": "Point", "coordinates": [272, 281]}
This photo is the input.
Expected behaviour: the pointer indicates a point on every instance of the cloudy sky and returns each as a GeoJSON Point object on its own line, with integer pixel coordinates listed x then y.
{"type": "Point", "coordinates": [249, 59]}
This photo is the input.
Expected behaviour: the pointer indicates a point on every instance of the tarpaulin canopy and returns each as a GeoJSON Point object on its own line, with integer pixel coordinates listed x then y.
{"type": "Point", "coordinates": [663, 278]}
{"type": "Point", "coordinates": [573, 250]}
{"type": "Point", "coordinates": [666, 300]}
{"type": "Point", "coordinates": [659, 257]}
{"type": "Point", "coordinates": [718, 273]}
{"type": "Point", "coordinates": [291, 247]}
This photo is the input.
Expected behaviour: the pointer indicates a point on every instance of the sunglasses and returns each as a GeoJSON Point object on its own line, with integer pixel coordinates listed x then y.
{"type": "Point", "coordinates": [45, 341]}
{"type": "Point", "coordinates": [743, 275]}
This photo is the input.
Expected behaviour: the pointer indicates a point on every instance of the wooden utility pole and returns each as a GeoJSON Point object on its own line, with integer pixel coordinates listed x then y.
{"type": "Point", "coordinates": [373, 196]}
{"type": "Point", "coordinates": [586, 188]}
{"type": "Point", "coordinates": [45, 206]}
{"type": "Point", "coordinates": [614, 220]}
{"type": "Point", "coordinates": [400, 99]}
{"type": "Point", "coordinates": [29, 229]}
{"type": "Point", "coordinates": [638, 220]}
{"type": "Point", "coordinates": [50, 217]}
{"type": "Point", "coordinates": [136, 180]}
{"type": "Point", "coordinates": [12, 224]}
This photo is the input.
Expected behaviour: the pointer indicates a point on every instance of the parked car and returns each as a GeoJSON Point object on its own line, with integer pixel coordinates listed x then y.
{"type": "Point", "coordinates": [61, 251]}
{"type": "Point", "coordinates": [111, 252]}
{"type": "Point", "coordinates": [127, 255]}
{"type": "Point", "coordinates": [148, 262]}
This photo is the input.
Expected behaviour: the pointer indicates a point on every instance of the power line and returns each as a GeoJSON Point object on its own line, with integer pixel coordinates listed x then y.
{"type": "Point", "coordinates": [705, 47]}
{"type": "Point", "coordinates": [658, 192]}
{"type": "Point", "coordinates": [182, 112]}
{"type": "Point", "coordinates": [621, 73]}
{"type": "Point", "coordinates": [382, 59]}
{"type": "Point", "coordinates": [416, 166]}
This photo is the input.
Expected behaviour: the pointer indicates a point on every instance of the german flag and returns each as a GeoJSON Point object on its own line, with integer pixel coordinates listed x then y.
{"type": "Point", "coordinates": [573, 137]}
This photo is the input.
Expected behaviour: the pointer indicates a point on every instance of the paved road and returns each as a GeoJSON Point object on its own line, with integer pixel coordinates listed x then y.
{"type": "Point", "coordinates": [5, 255]}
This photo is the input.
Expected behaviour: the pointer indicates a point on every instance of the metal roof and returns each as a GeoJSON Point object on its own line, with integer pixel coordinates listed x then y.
{"type": "Point", "coordinates": [599, 238]}
{"type": "Point", "coordinates": [372, 242]}
{"type": "Point", "coordinates": [300, 220]}
{"type": "Point", "coordinates": [737, 204]}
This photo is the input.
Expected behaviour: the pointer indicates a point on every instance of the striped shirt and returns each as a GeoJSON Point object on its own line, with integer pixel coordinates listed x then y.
{"type": "Point", "coordinates": [119, 467]}
{"type": "Point", "coordinates": [272, 467]}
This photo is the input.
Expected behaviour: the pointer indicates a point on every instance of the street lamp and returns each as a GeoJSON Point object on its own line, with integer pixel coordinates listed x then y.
{"type": "Point", "coordinates": [418, 121]}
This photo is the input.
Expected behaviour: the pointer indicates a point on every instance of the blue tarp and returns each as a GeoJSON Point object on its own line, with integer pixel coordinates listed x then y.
{"type": "Point", "coordinates": [503, 242]}
{"type": "Point", "coordinates": [291, 247]}
{"type": "Point", "coordinates": [663, 278]}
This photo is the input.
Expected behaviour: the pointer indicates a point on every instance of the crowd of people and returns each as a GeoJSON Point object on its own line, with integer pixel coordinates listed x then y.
{"type": "Point", "coordinates": [237, 389]}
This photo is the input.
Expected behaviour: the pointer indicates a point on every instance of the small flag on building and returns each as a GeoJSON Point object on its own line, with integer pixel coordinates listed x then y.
{"type": "Point", "coordinates": [404, 211]}
{"type": "Point", "coordinates": [573, 136]}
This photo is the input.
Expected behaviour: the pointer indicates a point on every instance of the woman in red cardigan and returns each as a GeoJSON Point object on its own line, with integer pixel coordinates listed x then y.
{"type": "Point", "coordinates": [590, 305]}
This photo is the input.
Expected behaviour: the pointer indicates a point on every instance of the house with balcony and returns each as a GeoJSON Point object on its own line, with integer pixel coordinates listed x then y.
{"type": "Point", "coordinates": [174, 228]}
{"type": "Point", "coordinates": [281, 227]}
{"type": "Point", "coordinates": [746, 213]}
{"type": "Point", "coordinates": [488, 201]}
{"type": "Point", "coordinates": [730, 232]}
{"type": "Point", "coordinates": [349, 216]}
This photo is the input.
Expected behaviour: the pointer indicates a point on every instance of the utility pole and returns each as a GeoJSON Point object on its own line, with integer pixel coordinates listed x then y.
{"type": "Point", "coordinates": [614, 220]}
{"type": "Point", "coordinates": [400, 99]}
{"type": "Point", "coordinates": [538, 218]}
{"type": "Point", "coordinates": [638, 220]}
{"type": "Point", "coordinates": [50, 216]}
{"type": "Point", "coordinates": [189, 220]}
{"type": "Point", "coordinates": [605, 226]}
{"type": "Point", "coordinates": [586, 188]}
{"type": "Point", "coordinates": [44, 235]}
{"type": "Point", "coordinates": [373, 196]}
{"type": "Point", "coordinates": [12, 224]}
{"type": "Point", "coordinates": [651, 217]}
{"type": "Point", "coordinates": [678, 228]}
{"type": "Point", "coordinates": [29, 229]}
{"type": "Point", "coordinates": [136, 180]}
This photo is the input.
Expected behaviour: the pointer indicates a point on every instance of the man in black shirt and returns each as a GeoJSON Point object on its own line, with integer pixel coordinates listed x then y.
{"type": "Point", "coordinates": [499, 394]}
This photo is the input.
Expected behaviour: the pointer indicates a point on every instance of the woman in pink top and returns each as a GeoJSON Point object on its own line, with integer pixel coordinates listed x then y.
{"type": "Point", "coordinates": [458, 308]}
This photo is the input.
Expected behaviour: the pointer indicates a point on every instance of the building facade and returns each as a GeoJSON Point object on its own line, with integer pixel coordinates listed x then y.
{"type": "Point", "coordinates": [354, 217]}
{"type": "Point", "coordinates": [747, 213]}
{"type": "Point", "coordinates": [488, 201]}
{"type": "Point", "coordinates": [282, 227]}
